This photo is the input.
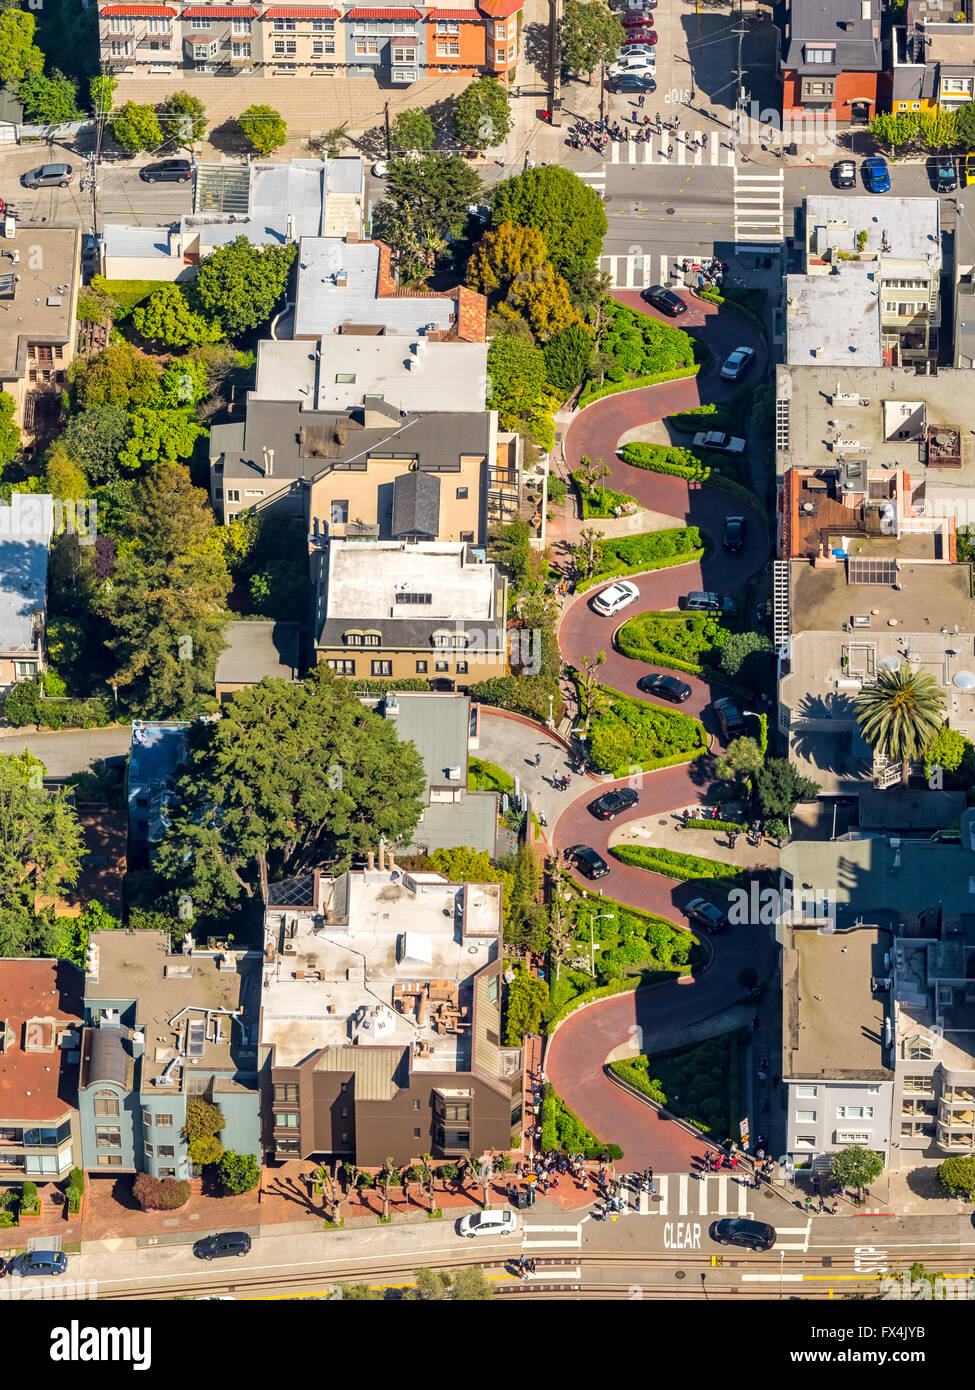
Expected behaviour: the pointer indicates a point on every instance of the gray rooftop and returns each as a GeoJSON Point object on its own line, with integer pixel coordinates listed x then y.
{"type": "Point", "coordinates": [156, 750]}
{"type": "Point", "coordinates": [416, 505]}
{"type": "Point", "coordinates": [964, 259]}
{"type": "Point", "coordinates": [258, 650]}
{"type": "Point", "coordinates": [838, 23]}
{"type": "Point", "coordinates": [833, 1021]}
{"type": "Point", "coordinates": [324, 304]}
{"type": "Point", "coordinates": [25, 539]}
{"type": "Point", "coordinates": [832, 320]}
{"type": "Point", "coordinates": [911, 227]}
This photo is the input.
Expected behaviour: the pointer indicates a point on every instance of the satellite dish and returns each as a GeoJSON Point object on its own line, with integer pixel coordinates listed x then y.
{"type": "Point", "coordinates": [964, 680]}
{"type": "Point", "coordinates": [889, 663]}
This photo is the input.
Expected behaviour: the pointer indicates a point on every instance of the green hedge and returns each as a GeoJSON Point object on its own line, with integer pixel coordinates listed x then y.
{"type": "Point", "coordinates": [26, 704]}
{"type": "Point", "coordinates": [625, 734]}
{"type": "Point", "coordinates": [650, 550]}
{"type": "Point", "coordinates": [688, 867]}
{"type": "Point", "coordinates": [655, 638]}
{"type": "Point", "coordinates": [699, 1084]}
{"type": "Point", "coordinates": [564, 1132]}
{"type": "Point", "coordinates": [591, 392]}
{"type": "Point", "coordinates": [599, 502]}
{"type": "Point", "coordinates": [672, 459]}
{"type": "Point", "coordinates": [125, 294]}
{"type": "Point", "coordinates": [727, 299]}
{"type": "Point", "coordinates": [693, 823]}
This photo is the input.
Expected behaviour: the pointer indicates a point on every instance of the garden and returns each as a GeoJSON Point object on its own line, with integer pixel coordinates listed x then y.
{"type": "Point", "coordinates": [636, 350]}
{"type": "Point", "coordinates": [627, 734]}
{"type": "Point", "coordinates": [680, 462]}
{"type": "Point", "coordinates": [699, 1084]}
{"type": "Point", "coordinates": [682, 641]}
{"type": "Point", "coordinates": [598, 500]}
{"type": "Point", "coordinates": [689, 867]}
{"type": "Point", "coordinates": [729, 415]}
{"type": "Point", "coordinates": [616, 556]}
{"type": "Point", "coordinates": [563, 1132]}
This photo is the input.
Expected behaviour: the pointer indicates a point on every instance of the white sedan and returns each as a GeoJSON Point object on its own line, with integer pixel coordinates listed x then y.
{"type": "Point", "coordinates": [488, 1223]}
{"type": "Point", "coordinates": [614, 598]}
{"type": "Point", "coordinates": [738, 363]}
{"type": "Point", "coordinates": [719, 443]}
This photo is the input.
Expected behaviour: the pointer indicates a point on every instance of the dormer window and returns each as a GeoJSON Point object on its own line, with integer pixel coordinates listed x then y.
{"type": "Point", "coordinates": [820, 55]}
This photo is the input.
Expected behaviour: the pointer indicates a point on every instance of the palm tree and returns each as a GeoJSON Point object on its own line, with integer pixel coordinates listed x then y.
{"type": "Point", "coordinates": [900, 714]}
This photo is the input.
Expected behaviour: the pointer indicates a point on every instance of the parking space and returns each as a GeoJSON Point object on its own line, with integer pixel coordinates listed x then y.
{"type": "Point", "coordinates": [122, 194]}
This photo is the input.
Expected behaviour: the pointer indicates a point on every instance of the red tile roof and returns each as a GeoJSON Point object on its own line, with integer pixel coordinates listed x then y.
{"type": "Point", "coordinates": [500, 9]}
{"type": "Point", "coordinates": [31, 1083]}
{"type": "Point", "coordinates": [471, 316]}
{"type": "Point", "coordinates": [471, 16]}
{"type": "Point", "coordinates": [220, 12]}
{"type": "Point", "coordinates": [384, 14]}
{"type": "Point", "coordinates": [301, 12]}
{"type": "Point", "coordinates": [140, 11]}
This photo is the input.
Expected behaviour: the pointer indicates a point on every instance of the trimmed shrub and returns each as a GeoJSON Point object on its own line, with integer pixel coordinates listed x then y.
{"type": "Point", "coordinates": [29, 1201]}
{"type": "Point", "coordinates": [957, 1177]}
{"type": "Point", "coordinates": [155, 1194]}
{"type": "Point", "coordinates": [688, 867]}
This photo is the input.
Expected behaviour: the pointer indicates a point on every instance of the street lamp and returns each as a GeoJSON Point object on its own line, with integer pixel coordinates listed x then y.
{"type": "Point", "coordinates": [594, 917]}
{"type": "Point", "coordinates": [781, 1270]}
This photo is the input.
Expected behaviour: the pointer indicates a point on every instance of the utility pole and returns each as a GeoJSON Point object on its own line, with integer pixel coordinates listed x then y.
{"type": "Point", "coordinates": [555, 62]}
{"type": "Point", "coordinates": [389, 147]}
{"type": "Point", "coordinates": [739, 33]}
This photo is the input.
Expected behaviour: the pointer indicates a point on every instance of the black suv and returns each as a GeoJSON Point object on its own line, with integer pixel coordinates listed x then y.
{"type": "Point", "coordinates": [664, 687]}
{"type": "Point", "coordinates": [665, 300]}
{"type": "Point", "coordinates": [590, 863]}
{"type": "Point", "coordinates": [753, 1235]}
{"type": "Point", "coordinates": [730, 718]}
{"type": "Point", "coordinates": [221, 1245]}
{"type": "Point", "coordinates": [942, 173]}
{"type": "Point", "coordinates": [168, 171]}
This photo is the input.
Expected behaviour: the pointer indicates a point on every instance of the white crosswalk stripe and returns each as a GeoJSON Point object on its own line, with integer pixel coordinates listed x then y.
{"type": "Point", "coordinates": [654, 151]}
{"type": "Point", "coordinates": [714, 1194]}
{"type": "Point", "coordinates": [637, 270]}
{"type": "Point", "coordinates": [542, 1237]}
{"type": "Point", "coordinates": [759, 207]}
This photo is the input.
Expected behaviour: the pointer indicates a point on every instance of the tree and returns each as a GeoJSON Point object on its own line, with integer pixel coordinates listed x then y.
{"type": "Point", "coordinates": [166, 318]}
{"type": "Point", "coordinates": [569, 214]}
{"type": "Point", "coordinates": [95, 438]}
{"type": "Point", "coordinates": [184, 383]}
{"type": "Point", "coordinates": [241, 284]}
{"type": "Point", "coordinates": [360, 1293]}
{"type": "Point", "coordinates": [482, 116]}
{"type": "Point", "coordinates": [591, 34]}
{"type": "Point", "coordinates": [427, 201]}
{"type": "Point", "coordinates": [856, 1166]}
{"type": "Point", "coordinates": [527, 1002]}
{"type": "Point", "coordinates": [516, 379]}
{"type": "Point", "coordinates": [159, 436]}
{"type": "Point", "coordinates": [102, 93]}
{"type": "Point", "coordinates": [543, 298]}
{"type": "Point", "coordinates": [779, 786]}
{"type": "Point", "coordinates": [63, 477]}
{"type": "Point", "coordinates": [50, 100]}
{"type": "Point", "coordinates": [957, 1177]}
{"type": "Point", "coordinates": [264, 127]}
{"type": "Point", "coordinates": [183, 119]}
{"type": "Point", "coordinates": [590, 664]}
{"type": "Point", "coordinates": [947, 751]}
{"type": "Point", "coordinates": [136, 128]}
{"type": "Point", "coordinates": [290, 777]}
{"type": "Point", "coordinates": [503, 255]}
{"type": "Point", "coordinates": [166, 604]}
{"type": "Point", "coordinates": [118, 375]}
{"type": "Point", "coordinates": [900, 713]}
{"type": "Point", "coordinates": [415, 250]}
{"type": "Point", "coordinates": [19, 55]}
{"type": "Point", "coordinates": [747, 655]}
{"type": "Point", "coordinates": [411, 130]}
{"type": "Point", "coordinates": [41, 844]}
{"type": "Point", "coordinates": [203, 1120]}
{"type": "Point", "coordinates": [457, 1285]}
{"type": "Point", "coordinates": [206, 1148]}
{"type": "Point", "coordinates": [567, 355]}
{"type": "Point", "coordinates": [965, 125]}
{"type": "Point", "coordinates": [744, 759]}
{"type": "Point", "coordinates": [587, 552]}
{"type": "Point", "coordinates": [9, 431]}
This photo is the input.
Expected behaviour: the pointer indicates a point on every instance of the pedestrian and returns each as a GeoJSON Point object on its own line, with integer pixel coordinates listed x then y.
{"type": "Point", "coordinates": [538, 759]}
{"type": "Point", "coordinates": [657, 122]}
{"type": "Point", "coordinates": [676, 122]}
{"type": "Point", "coordinates": [809, 1204]}
{"type": "Point", "coordinates": [834, 1209]}
{"type": "Point", "coordinates": [670, 151]}
{"type": "Point", "coordinates": [641, 99]}
{"type": "Point", "coordinates": [704, 141]}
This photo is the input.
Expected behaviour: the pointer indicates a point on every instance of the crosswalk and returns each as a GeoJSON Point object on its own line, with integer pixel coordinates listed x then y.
{"type": "Point", "coordinates": [759, 207]}
{"type": "Point", "coordinates": [715, 1194]}
{"type": "Point", "coordinates": [636, 271]}
{"type": "Point", "coordinates": [566, 1237]}
{"type": "Point", "coordinates": [654, 151]}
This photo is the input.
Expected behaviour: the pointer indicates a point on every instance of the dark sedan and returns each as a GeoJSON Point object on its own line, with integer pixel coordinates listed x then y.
{"type": "Point", "coordinates": [664, 687]}
{"type": "Point", "coordinates": [167, 171]}
{"type": "Point", "coordinates": [610, 804]}
{"type": "Point", "coordinates": [222, 1245]}
{"type": "Point", "coordinates": [734, 533]}
{"type": "Point", "coordinates": [665, 300]}
{"type": "Point", "coordinates": [707, 914]}
{"type": "Point", "coordinates": [752, 1235]}
{"type": "Point", "coordinates": [587, 861]}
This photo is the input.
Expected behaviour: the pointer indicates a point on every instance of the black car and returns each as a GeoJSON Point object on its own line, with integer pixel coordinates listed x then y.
{"type": "Point", "coordinates": [664, 687]}
{"type": "Point", "coordinates": [633, 82]}
{"type": "Point", "coordinates": [707, 914]}
{"type": "Point", "coordinates": [734, 533]}
{"type": "Point", "coordinates": [223, 1244]}
{"type": "Point", "coordinates": [609, 805]}
{"type": "Point", "coordinates": [942, 173]}
{"type": "Point", "coordinates": [844, 174]}
{"type": "Point", "coordinates": [48, 176]}
{"type": "Point", "coordinates": [168, 171]}
{"type": "Point", "coordinates": [730, 718]}
{"type": "Point", "coordinates": [665, 300]}
{"type": "Point", "coordinates": [736, 1230]}
{"type": "Point", "coordinates": [590, 863]}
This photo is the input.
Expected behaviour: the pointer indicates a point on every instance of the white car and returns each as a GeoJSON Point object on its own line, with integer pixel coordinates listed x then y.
{"type": "Point", "coordinates": [614, 598]}
{"type": "Point", "coordinates": [737, 362]}
{"type": "Point", "coordinates": [643, 53]}
{"type": "Point", "coordinates": [635, 63]}
{"type": "Point", "coordinates": [718, 443]}
{"type": "Point", "coordinates": [488, 1223]}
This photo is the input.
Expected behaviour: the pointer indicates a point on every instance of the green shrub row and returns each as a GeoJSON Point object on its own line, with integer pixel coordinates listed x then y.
{"type": "Point", "coordinates": [665, 458]}
{"type": "Point", "coordinates": [592, 392]}
{"type": "Point", "coordinates": [564, 1132]}
{"type": "Point", "coordinates": [688, 867]}
{"type": "Point", "coordinates": [694, 823]}
{"type": "Point", "coordinates": [727, 300]}
{"type": "Point", "coordinates": [599, 502]}
{"type": "Point", "coordinates": [650, 550]}
{"type": "Point", "coordinates": [620, 571]}
{"type": "Point", "coordinates": [26, 704]}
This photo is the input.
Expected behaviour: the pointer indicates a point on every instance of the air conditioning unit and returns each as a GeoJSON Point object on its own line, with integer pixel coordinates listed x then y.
{"type": "Point", "coordinates": [453, 774]}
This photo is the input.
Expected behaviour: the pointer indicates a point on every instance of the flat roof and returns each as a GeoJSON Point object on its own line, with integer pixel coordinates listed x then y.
{"type": "Point", "coordinates": [871, 877]}
{"type": "Point", "coordinates": [930, 597]}
{"type": "Point", "coordinates": [25, 540]}
{"type": "Point", "coordinates": [896, 228]}
{"type": "Point", "coordinates": [37, 1081]}
{"type": "Point", "coordinates": [365, 580]}
{"type": "Point", "coordinates": [322, 306]}
{"type": "Point", "coordinates": [832, 319]}
{"type": "Point", "coordinates": [356, 968]}
{"type": "Point", "coordinates": [258, 650]}
{"type": "Point", "coordinates": [833, 1022]}
{"type": "Point", "coordinates": [155, 751]}
{"type": "Point", "coordinates": [43, 305]}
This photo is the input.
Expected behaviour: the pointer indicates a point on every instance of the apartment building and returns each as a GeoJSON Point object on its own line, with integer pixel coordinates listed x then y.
{"type": "Point", "coordinates": [26, 528]}
{"type": "Point", "coordinates": [397, 43]}
{"type": "Point", "coordinates": [381, 1018]}
{"type": "Point", "coordinates": [257, 651]}
{"type": "Point", "coordinates": [40, 1032]}
{"type": "Point", "coordinates": [160, 1028]}
{"type": "Point", "coordinates": [405, 608]}
{"type": "Point", "coordinates": [39, 282]}
{"type": "Point", "coordinates": [932, 55]}
{"type": "Point", "coordinates": [830, 60]}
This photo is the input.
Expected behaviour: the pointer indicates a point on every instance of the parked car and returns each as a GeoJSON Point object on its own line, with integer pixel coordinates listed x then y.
{"type": "Point", "coordinates": [707, 601]}
{"type": "Point", "coordinates": [630, 82]}
{"type": "Point", "coordinates": [488, 1223]}
{"type": "Point", "coordinates": [737, 1230]}
{"type": "Point", "coordinates": [636, 40]}
{"type": "Point", "coordinates": [642, 62]}
{"type": "Point", "coordinates": [48, 176]}
{"type": "Point", "coordinates": [710, 916]}
{"type": "Point", "coordinates": [941, 172]}
{"type": "Point", "coordinates": [844, 174]}
{"type": "Point", "coordinates": [665, 300]}
{"type": "Point", "coordinates": [590, 863]}
{"type": "Point", "coordinates": [734, 533]}
{"type": "Point", "coordinates": [970, 168]}
{"type": "Point", "coordinates": [44, 1262]}
{"type": "Point", "coordinates": [617, 596]}
{"type": "Point", "coordinates": [635, 20]}
{"type": "Point", "coordinates": [221, 1245]}
{"type": "Point", "coordinates": [738, 363]}
{"type": "Point", "coordinates": [717, 442]}
{"type": "Point", "coordinates": [876, 175]}
{"type": "Point", "coordinates": [168, 171]}
{"type": "Point", "coordinates": [730, 718]}
{"type": "Point", "coordinates": [610, 804]}
{"type": "Point", "coordinates": [635, 6]}
{"type": "Point", "coordinates": [665, 687]}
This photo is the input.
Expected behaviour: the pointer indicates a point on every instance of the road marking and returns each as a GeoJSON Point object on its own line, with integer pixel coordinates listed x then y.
{"type": "Point", "coordinates": [772, 1278]}
{"type": "Point", "coordinates": [869, 1260]}
{"type": "Point", "coordinates": [575, 1243]}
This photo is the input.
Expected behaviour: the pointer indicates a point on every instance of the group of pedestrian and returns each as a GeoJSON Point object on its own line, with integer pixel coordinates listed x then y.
{"type": "Point", "coordinates": [525, 1266]}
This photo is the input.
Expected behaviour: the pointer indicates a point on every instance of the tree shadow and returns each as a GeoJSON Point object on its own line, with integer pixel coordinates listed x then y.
{"type": "Point", "coordinates": [290, 1190]}
{"type": "Point", "coordinates": [535, 45]}
{"type": "Point", "coordinates": [229, 139]}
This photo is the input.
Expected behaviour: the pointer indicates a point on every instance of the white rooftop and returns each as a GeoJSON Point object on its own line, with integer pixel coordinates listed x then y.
{"type": "Point", "coordinates": [364, 581]}
{"type": "Point", "coordinates": [25, 539]}
{"type": "Point", "coordinates": [910, 227]}
{"type": "Point", "coordinates": [834, 320]}
{"type": "Point", "coordinates": [323, 303]}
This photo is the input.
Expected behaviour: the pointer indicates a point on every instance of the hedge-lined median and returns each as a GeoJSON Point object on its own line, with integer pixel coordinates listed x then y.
{"type": "Point", "coordinates": [698, 1084]}
{"type": "Point", "coordinates": [684, 463]}
{"type": "Point", "coordinates": [600, 502]}
{"type": "Point", "coordinates": [688, 867]}
{"type": "Point", "coordinates": [740, 301]}
{"type": "Point", "coordinates": [673, 640]}
{"type": "Point", "coordinates": [650, 550]}
{"type": "Point", "coordinates": [626, 734]}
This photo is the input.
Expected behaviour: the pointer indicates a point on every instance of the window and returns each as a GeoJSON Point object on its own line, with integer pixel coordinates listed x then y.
{"type": "Point", "coordinates": [150, 1151]}
{"type": "Point", "coordinates": [919, 1049]}
{"type": "Point", "coordinates": [416, 1105]}
{"type": "Point", "coordinates": [233, 494]}
{"type": "Point", "coordinates": [365, 48]}
{"type": "Point", "coordinates": [286, 1121]}
{"type": "Point", "coordinates": [284, 25]}
{"type": "Point", "coordinates": [200, 23]}
{"type": "Point", "coordinates": [512, 53]}
{"type": "Point", "coordinates": [820, 55]}
{"type": "Point", "coordinates": [253, 492]}
{"type": "Point", "coordinates": [416, 1134]}
{"type": "Point", "coordinates": [499, 55]}
{"type": "Point", "coordinates": [382, 668]}
{"type": "Point", "coordinates": [24, 670]}
{"type": "Point", "coordinates": [448, 50]}
{"type": "Point", "coordinates": [108, 1137]}
{"type": "Point", "coordinates": [421, 668]}
{"type": "Point", "coordinates": [414, 598]}
{"type": "Point", "coordinates": [805, 1141]}
{"type": "Point", "coordinates": [499, 31]}
{"type": "Point", "coordinates": [163, 1121]}
{"type": "Point", "coordinates": [120, 48]}
{"type": "Point", "coordinates": [807, 1092]}
{"type": "Point", "coordinates": [159, 26]}
{"type": "Point", "coordinates": [240, 50]}
{"type": "Point", "coordinates": [284, 47]}
{"type": "Point", "coordinates": [467, 536]}
{"type": "Point", "coordinates": [323, 26]}
{"type": "Point", "coordinates": [241, 26]}
{"type": "Point", "coordinates": [441, 665]}
{"type": "Point", "coordinates": [403, 55]}
{"type": "Point", "coordinates": [854, 1112]}
{"type": "Point", "coordinates": [345, 378]}
{"type": "Point", "coordinates": [146, 1119]}
{"type": "Point", "coordinates": [448, 26]}
{"type": "Point", "coordinates": [342, 668]}
{"type": "Point", "coordinates": [462, 493]}
{"type": "Point", "coordinates": [106, 1104]}
{"type": "Point", "coordinates": [202, 51]}
{"type": "Point", "coordinates": [951, 85]}
{"type": "Point", "coordinates": [338, 511]}
{"type": "Point", "coordinates": [287, 1146]}
{"type": "Point", "coordinates": [109, 1160]}
{"type": "Point", "coordinates": [13, 1134]}
{"type": "Point", "coordinates": [286, 1094]}
{"type": "Point", "coordinates": [118, 25]}
{"type": "Point", "coordinates": [805, 1117]}
{"type": "Point", "coordinates": [462, 668]}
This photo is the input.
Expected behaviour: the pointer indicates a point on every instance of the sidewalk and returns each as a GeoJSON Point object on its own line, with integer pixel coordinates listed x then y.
{"type": "Point", "coordinates": [666, 833]}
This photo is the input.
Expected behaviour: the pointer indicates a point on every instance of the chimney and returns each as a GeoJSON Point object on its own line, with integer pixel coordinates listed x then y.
{"type": "Point", "coordinates": [268, 461]}
{"type": "Point", "coordinates": [392, 862]}
{"type": "Point", "coordinates": [370, 861]}
{"type": "Point", "coordinates": [382, 856]}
